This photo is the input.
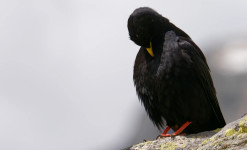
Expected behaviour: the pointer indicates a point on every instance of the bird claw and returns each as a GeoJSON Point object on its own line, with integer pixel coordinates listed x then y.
{"type": "Point", "coordinates": [169, 135]}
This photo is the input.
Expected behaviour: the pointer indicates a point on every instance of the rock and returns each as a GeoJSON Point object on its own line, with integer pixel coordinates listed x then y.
{"type": "Point", "coordinates": [233, 136]}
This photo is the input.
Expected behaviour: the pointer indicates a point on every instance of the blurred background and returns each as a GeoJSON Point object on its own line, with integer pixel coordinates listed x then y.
{"type": "Point", "coordinates": [66, 69]}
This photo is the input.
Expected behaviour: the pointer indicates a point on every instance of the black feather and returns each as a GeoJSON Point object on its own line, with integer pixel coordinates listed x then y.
{"type": "Point", "coordinates": [175, 85]}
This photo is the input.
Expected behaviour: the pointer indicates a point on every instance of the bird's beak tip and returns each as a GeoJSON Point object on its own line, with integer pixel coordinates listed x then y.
{"type": "Point", "coordinates": [150, 50]}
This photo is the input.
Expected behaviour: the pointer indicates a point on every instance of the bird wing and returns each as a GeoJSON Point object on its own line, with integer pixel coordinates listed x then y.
{"type": "Point", "coordinates": [202, 71]}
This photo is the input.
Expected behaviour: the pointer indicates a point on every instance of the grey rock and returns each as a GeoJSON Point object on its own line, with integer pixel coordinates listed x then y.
{"type": "Point", "coordinates": [233, 137]}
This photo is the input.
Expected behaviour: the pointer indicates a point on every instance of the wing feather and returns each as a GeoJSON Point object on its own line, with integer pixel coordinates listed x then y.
{"type": "Point", "coordinates": [202, 71]}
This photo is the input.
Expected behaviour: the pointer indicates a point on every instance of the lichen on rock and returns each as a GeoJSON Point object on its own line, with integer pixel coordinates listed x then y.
{"type": "Point", "coordinates": [230, 132]}
{"type": "Point", "coordinates": [233, 136]}
{"type": "Point", "coordinates": [168, 146]}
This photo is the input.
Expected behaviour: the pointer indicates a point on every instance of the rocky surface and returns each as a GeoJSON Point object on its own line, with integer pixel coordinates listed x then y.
{"type": "Point", "coordinates": [233, 136]}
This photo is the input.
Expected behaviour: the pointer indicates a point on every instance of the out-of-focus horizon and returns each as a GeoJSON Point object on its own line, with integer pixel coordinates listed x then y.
{"type": "Point", "coordinates": [66, 69]}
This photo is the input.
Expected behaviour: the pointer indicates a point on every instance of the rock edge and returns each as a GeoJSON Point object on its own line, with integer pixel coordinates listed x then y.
{"type": "Point", "coordinates": [233, 136]}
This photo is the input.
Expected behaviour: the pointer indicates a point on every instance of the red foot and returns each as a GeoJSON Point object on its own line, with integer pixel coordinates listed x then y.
{"type": "Point", "coordinates": [164, 132]}
{"type": "Point", "coordinates": [178, 132]}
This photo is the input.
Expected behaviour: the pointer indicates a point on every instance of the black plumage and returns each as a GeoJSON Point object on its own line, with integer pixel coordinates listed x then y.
{"type": "Point", "coordinates": [174, 84]}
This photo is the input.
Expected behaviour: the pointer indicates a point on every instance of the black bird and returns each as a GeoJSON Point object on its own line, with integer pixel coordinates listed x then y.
{"type": "Point", "coordinates": [171, 76]}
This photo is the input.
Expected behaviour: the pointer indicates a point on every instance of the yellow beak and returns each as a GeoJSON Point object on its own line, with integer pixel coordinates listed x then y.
{"type": "Point", "coordinates": [150, 50]}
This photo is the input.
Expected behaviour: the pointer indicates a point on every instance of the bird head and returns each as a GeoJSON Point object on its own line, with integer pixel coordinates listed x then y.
{"type": "Point", "coordinates": [144, 24]}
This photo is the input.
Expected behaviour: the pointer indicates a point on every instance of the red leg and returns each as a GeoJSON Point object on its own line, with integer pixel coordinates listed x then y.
{"type": "Point", "coordinates": [181, 129]}
{"type": "Point", "coordinates": [178, 132]}
{"type": "Point", "coordinates": [164, 132]}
